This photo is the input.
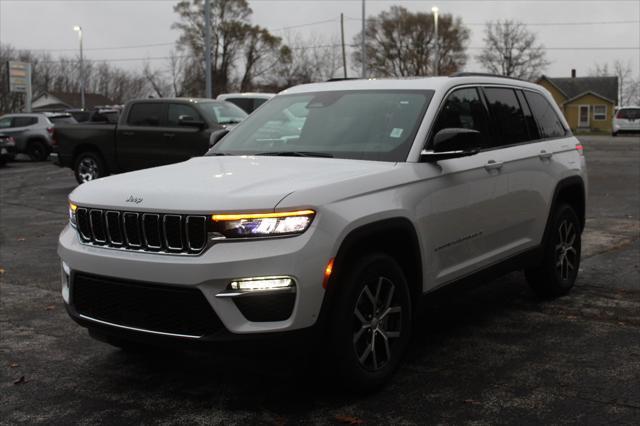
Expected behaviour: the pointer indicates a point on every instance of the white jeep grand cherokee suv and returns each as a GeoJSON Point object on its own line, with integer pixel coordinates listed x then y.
{"type": "Point", "coordinates": [387, 190]}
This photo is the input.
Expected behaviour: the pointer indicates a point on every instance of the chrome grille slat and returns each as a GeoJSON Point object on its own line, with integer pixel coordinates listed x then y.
{"type": "Point", "coordinates": [113, 227]}
{"type": "Point", "coordinates": [139, 231]}
{"type": "Point", "coordinates": [96, 221]}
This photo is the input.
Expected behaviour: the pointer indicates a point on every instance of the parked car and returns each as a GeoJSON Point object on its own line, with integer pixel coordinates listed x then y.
{"type": "Point", "coordinates": [391, 190]}
{"type": "Point", "coordinates": [32, 133]}
{"type": "Point", "coordinates": [7, 148]}
{"type": "Point", "coordinates": [249, 102]}
{"type": "Point", "coordinates": [626, 120]}
{"type": "Point", "coordinates": [149, 133]}
{"type": "Point", "coordinates": [80, 115]}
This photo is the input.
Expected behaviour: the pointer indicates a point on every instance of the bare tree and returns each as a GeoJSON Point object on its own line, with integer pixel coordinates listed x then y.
{"type": "Point", "coordinates": [401, 43]}
{"type": "Point", "coordinates": [512, 50]}
{"type": "Point", "coordinates": [261, 53]}
{"type": "Point", "coordinates": [628, 87]}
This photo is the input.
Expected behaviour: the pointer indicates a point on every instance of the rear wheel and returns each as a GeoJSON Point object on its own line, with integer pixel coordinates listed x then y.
{"type": "Point", "coordinates": [89, 166]}
{"type": "Point", "coordinates": [37, 150]}
{"type": "Point", "coordinates": [371, 325]}
{"type": "Point", "coordinates": [557, 273]}
{"type": "Point", "coordinates": [614, 134]}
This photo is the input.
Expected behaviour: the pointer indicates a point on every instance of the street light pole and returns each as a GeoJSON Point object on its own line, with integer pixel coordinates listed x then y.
{"type": "Point", "coordinates": [364, 45]}
{"type": "Point", "coordinates": [436, 61]}
{"type": "Point", "coordinates": [78, 29]}
{"type": "Point", "coordinates": [207, 49]}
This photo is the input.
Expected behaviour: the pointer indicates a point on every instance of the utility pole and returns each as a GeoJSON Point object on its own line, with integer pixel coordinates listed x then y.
{"type": "Point", "coordinates": [436, 64]}
{"type": "Point", "coordinates": [78, 29]}
{"type": "Point", "coordinates": [344, 53]}
{"type": "Point", "coordinates": [364, 45]}
{"type": "Point", "coordinates": [207, 49]}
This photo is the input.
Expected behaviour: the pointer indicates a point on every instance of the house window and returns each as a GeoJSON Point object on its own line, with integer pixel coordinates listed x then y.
{"type": "Point", "coordinates": [599, 112]}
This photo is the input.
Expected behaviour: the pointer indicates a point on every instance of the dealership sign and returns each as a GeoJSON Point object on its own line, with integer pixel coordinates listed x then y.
{"type": "Point", "coordinates": [20, 80]}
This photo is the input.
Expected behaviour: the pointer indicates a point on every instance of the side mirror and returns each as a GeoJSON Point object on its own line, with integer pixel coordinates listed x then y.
{"type": "Point", "coordinates": [453, 143]}
{"type": "Point", "coordinates": [216, 136]}
{"type": "Point", "coordinates": [190, 121]}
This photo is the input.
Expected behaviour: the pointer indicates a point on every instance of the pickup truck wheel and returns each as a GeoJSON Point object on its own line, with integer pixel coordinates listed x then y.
{"type": "Point", "coordinates": [371, 325]}
{"type": "Point", "coordinates": [89, 166]}
{"type": "Point", "coordinates": [37, 150]}
{"type": "Point", "coordinates": [557, 273]}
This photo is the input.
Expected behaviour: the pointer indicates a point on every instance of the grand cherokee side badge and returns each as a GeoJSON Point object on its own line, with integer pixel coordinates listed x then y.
{"type": "Point", "coordinates": [133, 199]}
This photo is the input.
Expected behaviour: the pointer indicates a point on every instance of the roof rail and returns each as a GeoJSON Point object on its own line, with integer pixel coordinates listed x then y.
{"type": "Point", "coordinates": [482, 74]}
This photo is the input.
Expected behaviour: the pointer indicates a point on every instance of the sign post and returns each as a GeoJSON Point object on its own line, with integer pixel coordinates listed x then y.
{"type": "Point", "coordinates": [20, 80]}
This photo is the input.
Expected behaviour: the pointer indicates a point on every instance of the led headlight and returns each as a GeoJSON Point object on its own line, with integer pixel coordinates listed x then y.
{"type": "Point", "coordinates": [72, 214]}
{"type": "Point", "coordinates": [261, 225]}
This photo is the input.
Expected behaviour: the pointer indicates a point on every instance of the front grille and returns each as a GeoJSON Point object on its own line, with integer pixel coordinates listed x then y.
{"type": "Point", "coordinates": [166, 233]}
{"type": "Point", "coordinates": [160, 308]}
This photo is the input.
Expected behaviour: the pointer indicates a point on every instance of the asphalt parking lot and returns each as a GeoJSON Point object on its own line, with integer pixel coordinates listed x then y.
{"type": "Point", "coordinates": [492, 355]}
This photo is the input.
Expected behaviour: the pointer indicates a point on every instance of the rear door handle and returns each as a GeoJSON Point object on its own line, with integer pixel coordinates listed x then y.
{"type": "Point", "coordinates": [493, 165]}
{"type": "Point", "coordinates": [545, 155]}
{"type": "Point", "coordinates": [168, 135]}
{"type": "Point", "coordinates": [128, 133]}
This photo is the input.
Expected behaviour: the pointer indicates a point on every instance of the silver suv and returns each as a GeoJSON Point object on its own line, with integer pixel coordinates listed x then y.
{"type": "Point", "coordinates": [336, 226]}
{"type": "Point", "coordinates": [33, 133]}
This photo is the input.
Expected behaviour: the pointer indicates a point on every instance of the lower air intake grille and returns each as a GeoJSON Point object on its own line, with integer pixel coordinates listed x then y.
{"type": "Point", "coordinates": [151, 307]}
{"type": "Point", "coordinates": [153, 232]}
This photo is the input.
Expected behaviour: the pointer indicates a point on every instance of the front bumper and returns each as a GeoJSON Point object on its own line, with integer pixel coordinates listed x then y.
{"type": "Point", "coordinates": [210, 273]}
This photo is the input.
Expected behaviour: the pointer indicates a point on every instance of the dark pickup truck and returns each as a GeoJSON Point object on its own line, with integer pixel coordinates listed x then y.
{"type": "Point", "coordinates": [149, 133]}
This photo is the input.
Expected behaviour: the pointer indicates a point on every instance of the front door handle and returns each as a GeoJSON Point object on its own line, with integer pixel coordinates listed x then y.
{"type": "Point", "coordinates": [545, 155]}
{"type": "Point", "coordinates": [168, 135]}
{"type": "Point", "coordinates": [128, 133]}
{"type": "Point", "coordinates": [493, 165]}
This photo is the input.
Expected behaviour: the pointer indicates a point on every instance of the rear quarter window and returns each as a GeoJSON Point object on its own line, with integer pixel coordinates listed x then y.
{"type": "Point", "coordinates": [24, 121]}
{"type": "Point", "coordinates": [548, 121]}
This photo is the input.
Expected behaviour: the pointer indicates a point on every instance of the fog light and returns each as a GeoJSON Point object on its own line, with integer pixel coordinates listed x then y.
{"type": "Point", "coordinates": [65, 273]}
{"type": "Point", "coordinates": [248, 286]}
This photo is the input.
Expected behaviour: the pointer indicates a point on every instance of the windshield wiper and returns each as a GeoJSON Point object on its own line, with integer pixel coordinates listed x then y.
{"type": "Point", "coordinates": [297, 154]}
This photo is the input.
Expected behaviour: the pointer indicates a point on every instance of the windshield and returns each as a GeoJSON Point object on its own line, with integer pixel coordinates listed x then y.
{"type": "Point", "coordinates": [222, 112]}
{"type": "Point", "coordinates": [368, 125]}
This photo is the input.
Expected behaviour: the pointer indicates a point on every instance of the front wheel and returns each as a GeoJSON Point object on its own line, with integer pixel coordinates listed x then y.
{"type": "Point", "coordinates": [557, 273]}
{"type": "Point", "coordinates": [89, 166]}
{"type": "Point", "coordinates": [371, 325]}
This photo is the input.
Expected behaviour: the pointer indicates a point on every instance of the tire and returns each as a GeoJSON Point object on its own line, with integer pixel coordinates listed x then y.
{"type": "Point", "coordinates": [557, 273]}
{"type": "Point", "coordinates": [89, 166]}
{"type": "Point", "coordinates": [38, 150]}
{"type": "Point", "coordinates": [614, 134]}
{"type": "Point", "coordinates": [363, 366]}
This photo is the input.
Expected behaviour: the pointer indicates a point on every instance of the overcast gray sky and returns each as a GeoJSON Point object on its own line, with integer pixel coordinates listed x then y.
{"type": "Point", "coordinates": [581, 25]}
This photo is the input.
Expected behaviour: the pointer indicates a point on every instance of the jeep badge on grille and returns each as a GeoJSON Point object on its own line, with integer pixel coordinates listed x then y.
{"type": "Point", "coordinates": [133, 199]}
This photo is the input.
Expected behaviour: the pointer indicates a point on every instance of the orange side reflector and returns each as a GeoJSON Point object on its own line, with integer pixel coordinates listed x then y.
{"type": "Point", "coordinates": [327, 273]}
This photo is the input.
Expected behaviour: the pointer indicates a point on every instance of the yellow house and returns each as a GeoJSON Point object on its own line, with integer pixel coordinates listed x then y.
{"type": "Point", "coordinates": [588, 103]}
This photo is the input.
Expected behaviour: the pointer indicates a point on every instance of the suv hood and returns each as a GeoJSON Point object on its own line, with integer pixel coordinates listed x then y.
{"type": "Point", "coordinates": [221, 184]}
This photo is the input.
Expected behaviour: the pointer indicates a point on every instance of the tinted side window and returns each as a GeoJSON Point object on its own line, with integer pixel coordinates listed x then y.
{"type": "Point", "coordinates": [507, 115]}
{"type": "Point", "coordinates": [24, 121]}
{"type": "Point", "coordinates": [5, 123]}
{"type": "Point", "coordinates": [245, 103]}
{"type": "Point", "coordinates": [548, 121]}
{"type": "Point", "coordinates": [463, 109]}
{"type": "Point", "coordinates": [150, 114]}
{"type": "Point", "coordinates": [257, 102]}
{"type": "Point", "coordinates": [176, 110]}
{"type": "Point", "coordinates": [532, 126]}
